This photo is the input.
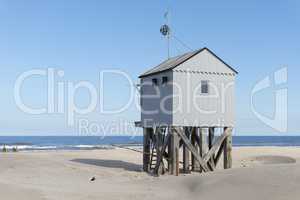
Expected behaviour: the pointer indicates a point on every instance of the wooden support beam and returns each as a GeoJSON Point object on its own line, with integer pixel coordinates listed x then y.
{"type": "Point", "coordinates": [146, 148]}
{"type": "Point", "coordinates": [220, 151]}
{"type": "Point", "coordinates": [202, 143]}
{"type": "Point", "coordinates": [211, 135]}
{"type": "Point", "coordinates": [174, 153]}
{"type": "Point", "coordinates": [186, 153]}
{"type": "Point", "coordinates": [228, 148]}
{"type": "Point", "coordinates": [216, 145]}
{"type": "Point", "coordinates": [195, 142]}
{"type": "Point", "coordinates": [159, 167]}
{"type": "Point", "coordinates": [160, 155]}
{"type": "Point", "coordinates": [192, 149]}
{"type": "Point", "coordinates": [177, 160]}
{"type": "Point", "coordinates": [169, 132]}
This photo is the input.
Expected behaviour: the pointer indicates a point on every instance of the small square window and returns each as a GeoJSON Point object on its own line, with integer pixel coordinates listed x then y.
{"type": "Point", "coordinates": [204, 87]}
{"type": "Point", "coordinates": [154, 81]}
{"type": "Point", "coordinates": [164, 80]}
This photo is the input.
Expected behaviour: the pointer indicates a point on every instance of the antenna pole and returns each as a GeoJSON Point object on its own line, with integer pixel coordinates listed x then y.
{"type": "Point", "coordinates": [166, 31]}
{"type": "Point", "coordinates": [169, 32]}
{"type": "Point", "coordinates": [168, 46]}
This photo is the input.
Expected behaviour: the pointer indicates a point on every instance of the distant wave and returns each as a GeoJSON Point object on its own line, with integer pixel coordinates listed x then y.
{"type": "Point", "coordinates": [82, 146]}
{"type": "Point", "coordinates": [67, 147]}
{"type": "Point", "coordinates": [40, 143]}
{"type": "Point", "coordinates": [18, 144]}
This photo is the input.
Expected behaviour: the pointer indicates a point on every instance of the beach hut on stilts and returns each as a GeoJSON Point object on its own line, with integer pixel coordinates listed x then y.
{"type": "Point", "coordinates": [187, 113]}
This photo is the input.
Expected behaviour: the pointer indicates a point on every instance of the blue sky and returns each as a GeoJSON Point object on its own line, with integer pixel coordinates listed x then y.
{"type": "Point", "coordinates": [84, 37]}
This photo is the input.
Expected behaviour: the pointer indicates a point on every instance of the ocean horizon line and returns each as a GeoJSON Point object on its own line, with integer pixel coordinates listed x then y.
{"type": "Point", "coordinates": [28, 143]}
{"type": "Point", "coordinates": [263, 135]}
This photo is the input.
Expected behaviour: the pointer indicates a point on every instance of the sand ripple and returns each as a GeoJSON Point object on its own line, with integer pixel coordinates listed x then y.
{"type": "Point", "coordinates": [272, 159]}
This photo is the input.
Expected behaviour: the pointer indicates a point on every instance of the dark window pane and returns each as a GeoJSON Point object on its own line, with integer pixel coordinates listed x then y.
{"type": "Point", "coordinates": [154, 81]}
{"type": "Point", "coordinates": [164, 80]}
{"type": "Point", "coordinates": [204, 87]}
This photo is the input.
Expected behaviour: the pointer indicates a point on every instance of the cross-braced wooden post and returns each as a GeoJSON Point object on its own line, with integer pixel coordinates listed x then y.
{"type": "Point", "coordinates": [163, 143]}
{"type": "Point", "coordinates": [202, 143]}
{"type": "Point", "coordinates": [228, 149]}
{"type": "Point", "coordinates": [186, 153]}
{"type": "Point", "coordinates": [146, 148]}
{"type": "Point", "coordinates": [211, 136]}
{"type": "Point", "coordinates": [195, 140]}
{"type": "Point", "coordinates": [174, 153]}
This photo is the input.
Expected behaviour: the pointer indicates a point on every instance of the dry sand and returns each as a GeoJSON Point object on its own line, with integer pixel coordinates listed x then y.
{"type": "Point", "coordinates": [258, 173]}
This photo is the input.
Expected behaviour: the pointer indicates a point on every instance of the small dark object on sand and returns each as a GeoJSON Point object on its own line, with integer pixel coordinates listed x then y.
{"type": "Point", "coordinates": [93, 178]}
{"type": "Point", "coordinates": [15, 149]}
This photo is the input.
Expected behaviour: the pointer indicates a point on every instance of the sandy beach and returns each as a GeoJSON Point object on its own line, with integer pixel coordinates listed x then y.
{"type": "Point", "coordinates": [257, 173]}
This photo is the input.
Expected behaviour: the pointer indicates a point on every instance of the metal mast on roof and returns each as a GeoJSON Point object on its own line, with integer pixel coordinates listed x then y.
{"type": "Point", "coordinates": [166, 31]}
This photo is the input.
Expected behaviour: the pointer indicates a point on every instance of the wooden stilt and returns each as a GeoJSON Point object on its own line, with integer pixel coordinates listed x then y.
{"type": "Point", "coordinates": [160, 167]}
{"type": "Point", "coordinates": [202, 143]}
{"type": "Point", "coordinates": [220, 151]}
{"type": "Point", "coordinates": [186, 154]}
{"type": "Point", "coordinates": [192, 149]}
{"type": "Point", "coordinates": [146, 148]}
{"type": "Point", "coordinates": [204, 153]}
{"type": "Point", "coordinates": [228, 148]}
{"type": "Point", "coordinates": [169, 150]}
{"type": "Point", "coordinates": [211, 135]}
{"type": "Point", "coordinates": [210, 154]}
{"type": "Point", "coordinates": [174, 152]}
{"type": "Point", "coordinates": [177, 160]}
{"type": "Point", "coordinates": [195, 142]}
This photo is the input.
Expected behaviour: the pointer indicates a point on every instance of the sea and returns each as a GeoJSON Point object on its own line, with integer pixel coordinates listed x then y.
{"type": "Point", "coordinates": [39, 143]}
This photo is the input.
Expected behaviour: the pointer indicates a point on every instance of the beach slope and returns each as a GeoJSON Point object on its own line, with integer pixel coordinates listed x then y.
{"type": "Point", "coordinates": [258, 173]}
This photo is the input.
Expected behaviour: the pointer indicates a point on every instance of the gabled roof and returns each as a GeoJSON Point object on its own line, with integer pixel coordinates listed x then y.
{"type": "Point", "coordinates": [171, 63]}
